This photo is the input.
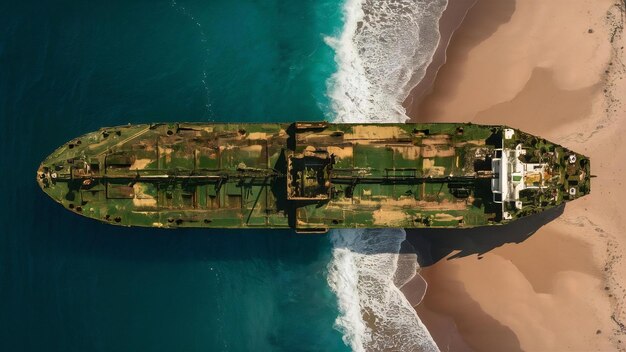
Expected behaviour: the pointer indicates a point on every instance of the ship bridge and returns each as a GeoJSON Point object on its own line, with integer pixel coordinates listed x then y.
{"type": "Point", "coordinates": [544, 172]}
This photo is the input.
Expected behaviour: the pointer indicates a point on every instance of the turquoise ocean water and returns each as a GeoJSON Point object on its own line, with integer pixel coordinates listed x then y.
{"type": "Point", "coordinates": [71, 284]}
{"type": "Point", "coordinates": [68, 283]}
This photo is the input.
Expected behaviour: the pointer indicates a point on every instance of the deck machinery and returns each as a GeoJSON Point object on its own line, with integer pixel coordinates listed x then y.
{"type": "Point", "coordinates": [311, 176]}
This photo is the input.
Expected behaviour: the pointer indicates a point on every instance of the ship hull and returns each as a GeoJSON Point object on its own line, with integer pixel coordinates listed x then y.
{"type": "Point", "coordinates": [311, 176]}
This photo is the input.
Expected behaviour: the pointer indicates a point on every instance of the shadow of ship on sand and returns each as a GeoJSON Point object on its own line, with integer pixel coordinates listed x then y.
{"type": "Point", "coordinates": [432, 245]}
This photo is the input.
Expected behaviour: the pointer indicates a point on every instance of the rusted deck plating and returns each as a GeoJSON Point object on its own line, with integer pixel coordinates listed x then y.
{"type": "Point", "coordinates": [311, 176]}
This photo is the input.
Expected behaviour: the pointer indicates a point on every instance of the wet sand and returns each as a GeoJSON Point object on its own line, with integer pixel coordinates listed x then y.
{"type": "Point", "coordinates": [450, 21]}
{"type": "Point", "coordinates": [555, 69]}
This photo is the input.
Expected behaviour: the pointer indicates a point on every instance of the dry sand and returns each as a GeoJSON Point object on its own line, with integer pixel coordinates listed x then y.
{"type": "Point", "coordinates": [552, 68]}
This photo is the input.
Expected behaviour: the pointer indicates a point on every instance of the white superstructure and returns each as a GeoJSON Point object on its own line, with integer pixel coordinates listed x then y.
{"type": "Point", "coordinates": [511, 175]}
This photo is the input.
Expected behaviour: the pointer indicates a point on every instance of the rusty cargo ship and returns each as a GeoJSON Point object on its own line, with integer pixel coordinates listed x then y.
{"type": "Point", "coordinates": [311, 176]}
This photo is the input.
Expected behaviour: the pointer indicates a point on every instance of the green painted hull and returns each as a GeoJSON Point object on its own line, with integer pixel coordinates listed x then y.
{"type": "Point", "coordinates": [311, 176]}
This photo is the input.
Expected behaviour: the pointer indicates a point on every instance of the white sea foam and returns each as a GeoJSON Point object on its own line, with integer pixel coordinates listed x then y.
{"type": "Point", "coordinates": [375, 315]}
{"type": "Point", "coordinates": [381, 54]}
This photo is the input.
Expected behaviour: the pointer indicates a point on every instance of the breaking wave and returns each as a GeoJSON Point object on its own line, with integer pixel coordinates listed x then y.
{"type": "Point", "coordinates": [375, 315]}
{"type": "Point", "coordinates": [381, 54]}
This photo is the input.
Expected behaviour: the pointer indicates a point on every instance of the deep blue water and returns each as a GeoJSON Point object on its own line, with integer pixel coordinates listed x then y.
{"type": "Point", "coordinates": [71, 284]}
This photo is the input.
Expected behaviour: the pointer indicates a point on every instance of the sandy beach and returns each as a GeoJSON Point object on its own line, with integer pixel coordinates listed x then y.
{"type": "Point", "coordinates": [554, 69]}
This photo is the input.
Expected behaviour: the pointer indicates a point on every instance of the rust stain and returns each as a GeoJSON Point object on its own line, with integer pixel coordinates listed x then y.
{"type": "Point", "coordinates": [140, 164]}
{"type": "Point", "coordinates": [395, 217]}
{"type": "Point", "coordinates": [408, 152]}
{"type": "Point", "coordinates": [257, 135]}
{"type": "Point", "coordinates": [341, 152]}
{"type": "Point", "coordinates": [141, 199]}
{"type": "Point", "coordinates": [374, 132]}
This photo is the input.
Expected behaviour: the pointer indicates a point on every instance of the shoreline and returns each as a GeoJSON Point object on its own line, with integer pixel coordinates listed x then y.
{"type": "Point", "coordinates": [560, 287]}
{"type": "Point", "coordinates": [451, 19]}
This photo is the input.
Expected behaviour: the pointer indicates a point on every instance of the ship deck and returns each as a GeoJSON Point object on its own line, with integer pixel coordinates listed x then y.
{"type": "Point", "coordinates": [311, 176]}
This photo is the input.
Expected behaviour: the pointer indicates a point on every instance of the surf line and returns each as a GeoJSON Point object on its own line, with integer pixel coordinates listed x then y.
{"type": "Point", "coordinates": [374, 76]}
